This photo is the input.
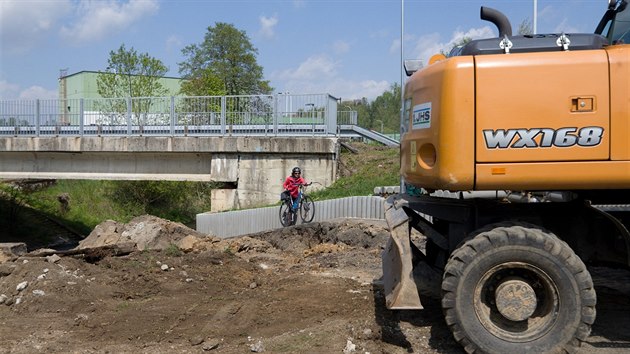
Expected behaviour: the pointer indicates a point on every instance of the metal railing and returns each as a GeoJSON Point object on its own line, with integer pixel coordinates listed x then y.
{"type": "Point", "coordinates": [280, 114]}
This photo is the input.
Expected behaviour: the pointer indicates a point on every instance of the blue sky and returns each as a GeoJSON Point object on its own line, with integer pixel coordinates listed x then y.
{"type": "Point", "coordinates": [347, 48]}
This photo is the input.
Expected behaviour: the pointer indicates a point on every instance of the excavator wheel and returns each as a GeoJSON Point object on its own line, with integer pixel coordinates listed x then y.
{"type": "Point", "coordinates": [517, 289]}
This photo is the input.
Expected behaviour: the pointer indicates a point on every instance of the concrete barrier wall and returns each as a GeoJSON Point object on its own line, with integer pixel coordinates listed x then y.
{"type": "Point", "coordinates": [243, 222]}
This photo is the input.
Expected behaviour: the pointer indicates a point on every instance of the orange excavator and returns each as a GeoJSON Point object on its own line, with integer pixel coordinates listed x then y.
{"type": "Point", "coordinates": [515, 161]}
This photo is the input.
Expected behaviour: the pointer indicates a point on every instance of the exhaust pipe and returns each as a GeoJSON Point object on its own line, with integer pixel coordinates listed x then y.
{"type": "Point", "coordinates": [499, 20]}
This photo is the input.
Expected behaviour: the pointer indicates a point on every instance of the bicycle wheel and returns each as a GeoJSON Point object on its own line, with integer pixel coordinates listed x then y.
{"type": "Point", "coordinates": [287, 217]}
{"type": "Point", "coordinates": [307, 209]}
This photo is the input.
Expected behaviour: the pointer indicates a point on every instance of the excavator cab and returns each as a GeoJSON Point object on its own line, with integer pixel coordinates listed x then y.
{"type": "Point", "coordinates": [615, 24]}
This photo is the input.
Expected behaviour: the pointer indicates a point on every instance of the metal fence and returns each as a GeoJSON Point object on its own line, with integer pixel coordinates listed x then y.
{"type": "Point", "coordinates": [243, 222]}
{"type": "Point", "coordinates": [280, 114]}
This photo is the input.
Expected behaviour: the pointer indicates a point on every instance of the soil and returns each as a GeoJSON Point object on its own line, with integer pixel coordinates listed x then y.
{"type": "Point", "coordinates": [312, 288]}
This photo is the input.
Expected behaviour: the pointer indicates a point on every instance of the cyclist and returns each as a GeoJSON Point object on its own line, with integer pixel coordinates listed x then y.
{"type": "Point", "coordinates": [292, 185]}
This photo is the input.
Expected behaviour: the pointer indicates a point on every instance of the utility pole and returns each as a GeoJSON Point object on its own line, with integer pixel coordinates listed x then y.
{"type": "Point", "coordinates": [535, 16]}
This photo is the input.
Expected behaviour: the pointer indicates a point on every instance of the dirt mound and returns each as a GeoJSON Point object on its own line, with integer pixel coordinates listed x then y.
{"type": "Point", "coordinates": [146, 232]}
{"type": "Point", "coordinates": [311, 288]}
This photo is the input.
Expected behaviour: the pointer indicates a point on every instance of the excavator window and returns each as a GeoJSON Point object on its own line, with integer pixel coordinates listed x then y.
{"type": "Point", "coordinates": [615, 25]}
{"type": "Point", "coordinates": [621, 27]}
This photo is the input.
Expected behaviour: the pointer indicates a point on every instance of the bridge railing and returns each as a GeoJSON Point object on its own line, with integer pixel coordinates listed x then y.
{"type": "Point", "coordinates": [280, 114]}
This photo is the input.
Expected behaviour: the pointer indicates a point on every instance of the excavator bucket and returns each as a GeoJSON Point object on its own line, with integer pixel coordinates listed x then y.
{"type": "Point", "coordinates": [401, 292]}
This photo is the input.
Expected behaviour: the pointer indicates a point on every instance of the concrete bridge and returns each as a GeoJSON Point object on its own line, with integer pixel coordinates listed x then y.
{"type": "Point", "coordinates": [251, 169]}
{"type": "Point", "coordinates": [247, 143]}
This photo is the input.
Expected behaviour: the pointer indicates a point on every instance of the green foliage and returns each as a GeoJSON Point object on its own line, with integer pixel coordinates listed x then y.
{"type": "Point", "coordinates": [383, 112]}
{"type": "Point", "coordinates": [173, 251]}
{"type": "Point", "coordinates": [130, 74]}
{"type": "Point", "coordinates": [92, 202]}
{"type": "Point", "coordinates": [227, 53]}
{"type": "Point", "coordinates": [88, 203]}
{"type": "Point", "coordinates": [168, 199]}
{"type": "Point", "coordinates": [206, 83]}
{"type": "Point", "coordinates": [373, 166]}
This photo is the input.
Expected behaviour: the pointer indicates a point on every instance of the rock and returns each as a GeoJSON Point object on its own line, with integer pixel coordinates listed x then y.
{"type": "Point", "coordinates": [53, 258]}
{"type": "Point", "coordinates": [253, 285]}
{"type": "Point", "coordinates": [12, 250]}
{"type": "Point", "coordinates": [80, 318]}
{"type": "Point", "coordinates": [39, 292]}
{"type": "Point", "coordinates": [41, 251]}
{"type": "Point", "coordinates": [3, 298]}
{"type": "Point", "coordinates": [146, 231]}
{"type": "Point", "coordinates": [257, 347]}
{"type": "Point", "coordinates": [21, 286]}
{"type": "Point", "coordinates": [164, 267]}
{"type": "Point", "coordinates": [5, 258]}
{"type": "Point", "coordinates": [5, 269]}
{"type": "Point", "coordinates": [210, 344]}
{"type": "Point", "coordinates": [187, 244]}
{"type": "Point", "coordinates": [350, 347]}
{"type": "Point", "coordinates": [105, 233]}
{"type": "Point", "coordinates": [196, 340]}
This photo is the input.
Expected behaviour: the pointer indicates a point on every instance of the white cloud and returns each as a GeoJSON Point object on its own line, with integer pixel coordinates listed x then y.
{"type": "Point", "coordinates": [428, 45]}
{"type": "Point", "coordinates": [316, 67]}
{"type": "Point", "coordinates": [319, 74]}
{"type": "Point", "coordinates": [565, 27]}
{"type": "Point", "coordinates": [267, 25]}
{"type": "Point", "coordinates": [8, 90]}
{"type": "Point", "coordinates": [547, 13]}
{"type": "Point", "coordinates": [341, 47]}
{"type": "Point", "coordinates": [382, 33]}
{"type": "Point", "coordinates": [351, 90]}
{"type": "Point", "coordinates": [35, 92]}
{"type": "Point", "coordinates": [98, 19]}
{"type": "Point", "coordinates": [342, 88]}
{"type": "Point", "coordinates": [395, 46]}
{"type": "Point", "coordinates": [24, 24]}
{"type": "Point", "coordinates": [173, 43]}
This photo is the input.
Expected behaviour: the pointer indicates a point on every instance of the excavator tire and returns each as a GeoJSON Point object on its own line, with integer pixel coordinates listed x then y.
{"type": "Point", "coordinates": [517, 289]}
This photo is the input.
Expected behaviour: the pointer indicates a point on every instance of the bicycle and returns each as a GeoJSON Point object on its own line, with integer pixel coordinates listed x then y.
{"type": "Point", "coordinates": [306, 207]}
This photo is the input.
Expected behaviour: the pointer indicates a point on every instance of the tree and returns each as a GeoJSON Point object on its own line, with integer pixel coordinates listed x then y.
{"type": "Point", "coordinates": [386, 110]}
{"type": "Point", "coordinates": [130, 74]}
{"type": "Point", "coordinates": [460, 43]}
{"type": "Point", "coordinates": [227, 53]}
{"type": "Point", "coordinates": [525, 28]}
{"type": "Point", "coordinates": [383, 112]}
{"type": "Point", "coordinates": [205, 84]}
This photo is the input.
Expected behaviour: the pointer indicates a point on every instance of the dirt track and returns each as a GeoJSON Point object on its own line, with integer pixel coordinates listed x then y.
{"type": "Point", "coordinates": [305, 289]}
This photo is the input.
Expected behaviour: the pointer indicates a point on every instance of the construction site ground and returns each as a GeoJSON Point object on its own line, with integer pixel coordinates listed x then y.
{"type": "Point", "coordinates": [313, 288]}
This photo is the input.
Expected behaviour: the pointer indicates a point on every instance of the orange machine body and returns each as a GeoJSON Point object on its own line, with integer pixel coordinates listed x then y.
{"type": "Point", "coordinates": [557, 120]}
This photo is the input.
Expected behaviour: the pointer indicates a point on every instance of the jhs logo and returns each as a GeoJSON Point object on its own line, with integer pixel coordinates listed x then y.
{"type": "Point", "coordinates": [542, 137]}
{"type": "Point", "coordinates": [422, 117]}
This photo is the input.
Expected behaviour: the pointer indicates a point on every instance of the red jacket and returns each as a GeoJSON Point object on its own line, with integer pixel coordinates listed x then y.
{"type": "Point", "coordinates": [292, 184]}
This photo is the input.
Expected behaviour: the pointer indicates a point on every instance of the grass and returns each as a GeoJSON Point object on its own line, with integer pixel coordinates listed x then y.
{"type": "Point", "coordinates": [89, 203]}
{"type": "Point", "coordinates": [373, 166]}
